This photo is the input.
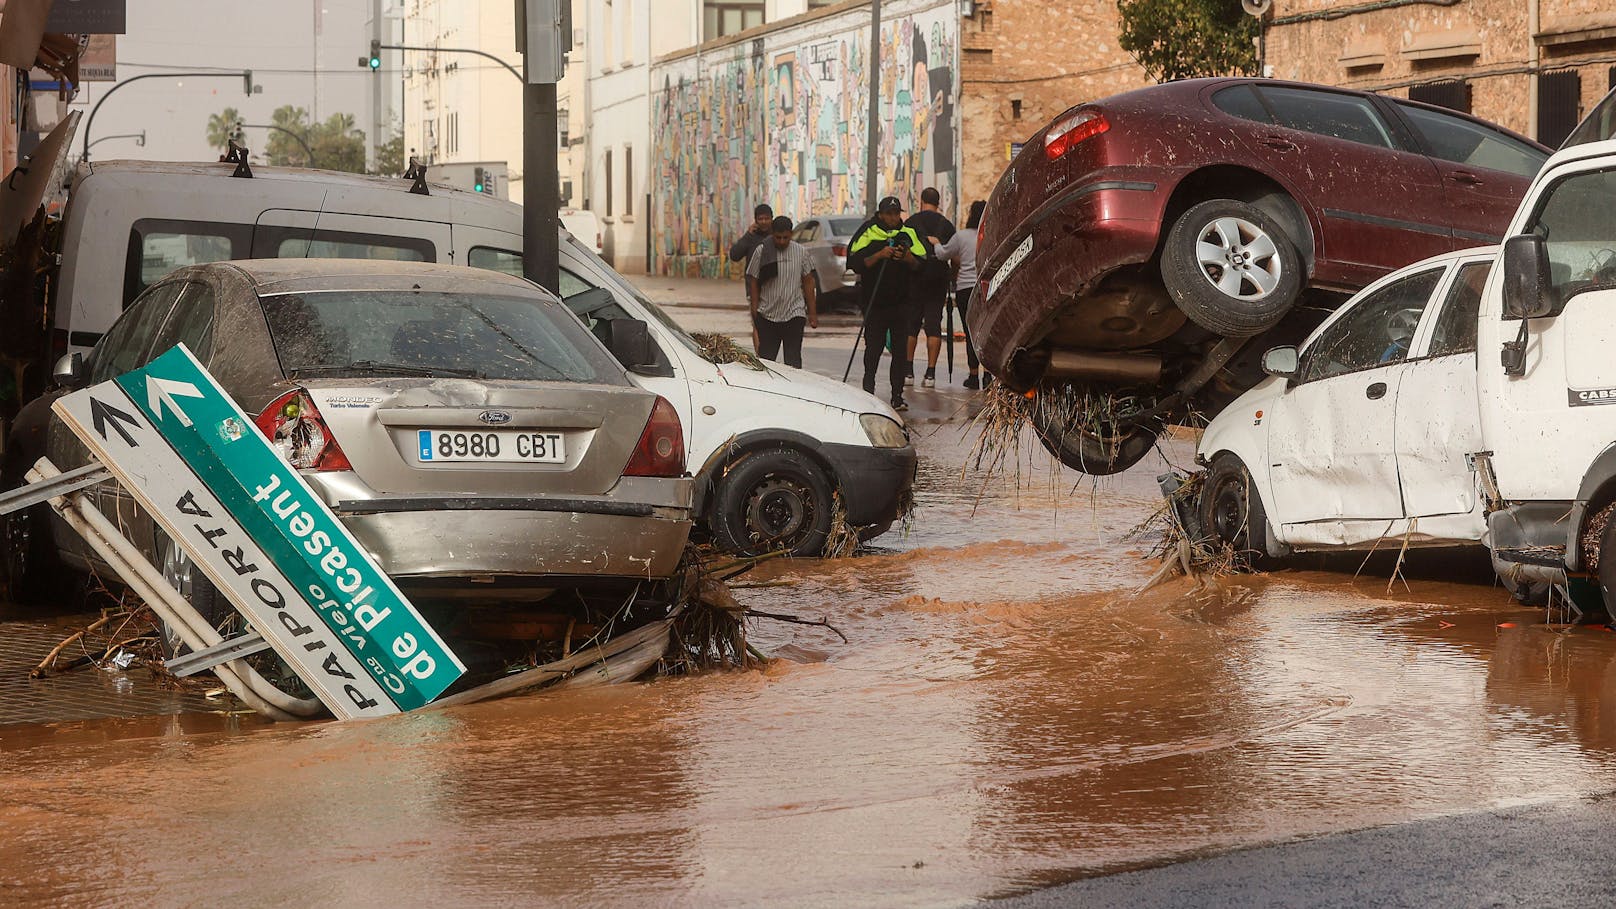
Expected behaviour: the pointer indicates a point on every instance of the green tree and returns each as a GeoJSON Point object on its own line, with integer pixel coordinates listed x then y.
{"type": "Point", "coordinates": [1183, 39]}
{"type": "Point", "coordinates": [222, 128]}
{"type": "Point", "coordinates": [335, 143]}
{"type": "Point", "coordinates": [390, 156]}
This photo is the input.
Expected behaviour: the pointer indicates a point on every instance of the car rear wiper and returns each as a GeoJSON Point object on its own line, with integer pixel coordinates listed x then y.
{"type": "Point", "coordinates": [371, 367]}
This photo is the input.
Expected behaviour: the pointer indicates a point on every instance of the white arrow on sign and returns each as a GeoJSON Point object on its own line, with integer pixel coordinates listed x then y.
{"type": "Point", "coordinates": [162, 391]}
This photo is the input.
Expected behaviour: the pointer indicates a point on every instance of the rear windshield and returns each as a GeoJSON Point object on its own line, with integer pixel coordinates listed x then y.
{"type": "Point", "coordinates": [365, 333]}
{"type": "Point", "coordinates": [844, 227]}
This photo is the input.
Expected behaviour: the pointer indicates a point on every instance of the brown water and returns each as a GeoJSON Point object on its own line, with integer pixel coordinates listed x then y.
{"type": "Point", "coordinates": [1005, 714]}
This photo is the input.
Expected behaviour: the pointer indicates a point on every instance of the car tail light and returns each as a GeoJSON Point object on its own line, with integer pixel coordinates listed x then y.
{"type": "Point", "coordinates": [840, 249]}
{"type": "Point", "coordinates": [296, 430]}
{"type": "Point", "coordinates": [1065, 135]}
{"type": "Point", "coordinates": [661, 449]}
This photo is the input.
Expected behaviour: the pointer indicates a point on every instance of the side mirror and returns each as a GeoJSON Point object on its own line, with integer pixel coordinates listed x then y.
{"type": "Point", "coordinates": [1282, 362]}
{"type": "Point", "coordinates": [1527, 281]}
{"type": "Point", "coordinates": [587, 301]}
{"type": "Point", "coordinates": [70, 371]}
{"type": "Point", "coordinates": [630, 342]}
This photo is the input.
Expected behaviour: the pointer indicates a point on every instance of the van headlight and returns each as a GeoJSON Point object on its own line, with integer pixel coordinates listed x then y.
{"type": "Point", "coordinates": [883, 432]}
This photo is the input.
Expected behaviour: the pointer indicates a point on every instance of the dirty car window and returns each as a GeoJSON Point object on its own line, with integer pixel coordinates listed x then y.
{"type": "Point", "coordinates": [1240, 101]}
{"type": "Point", "coordinates": [1329, 114]}
{"type": "Point", "coordinates": [1455, 331]}
{"type": "Point", "coordinates": [1463, 142]}
{"type": "Point", "coordinates": [1376, 332]}
{"type": "Point", "coordinates": [1574, 220]}
{"type": "Point", "coordinates": [363, 332]}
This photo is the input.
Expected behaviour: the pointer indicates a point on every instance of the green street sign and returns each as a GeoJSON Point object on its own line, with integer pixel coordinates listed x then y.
{"type": "Point", "coordinates": [293, 527]}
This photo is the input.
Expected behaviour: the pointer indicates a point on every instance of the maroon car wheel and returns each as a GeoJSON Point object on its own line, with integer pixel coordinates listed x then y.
{"type": "Point", "coordinates": [1098, 451]}
{"type": "Point", "coordinates": [1231, 268]}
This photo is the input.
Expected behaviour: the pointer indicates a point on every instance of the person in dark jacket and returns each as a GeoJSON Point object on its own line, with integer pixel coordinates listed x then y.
{"type": "Point", "coordinates": [930, 286]}
{"type": "Point", "coordinates": [755, 236]}
{"type": "Point", "coordinates": [886, 255]}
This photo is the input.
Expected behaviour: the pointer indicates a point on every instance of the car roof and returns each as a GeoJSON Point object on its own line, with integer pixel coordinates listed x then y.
{"type": "Point", "coordinates": [278, 276]}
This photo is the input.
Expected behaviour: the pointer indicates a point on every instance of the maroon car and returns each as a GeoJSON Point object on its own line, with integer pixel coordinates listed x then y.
{"type": "Point", "coordinates": [1142, 251]}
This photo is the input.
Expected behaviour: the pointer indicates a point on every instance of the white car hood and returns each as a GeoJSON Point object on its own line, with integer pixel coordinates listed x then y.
{"type": "Point", "coordinates": [805, 386]}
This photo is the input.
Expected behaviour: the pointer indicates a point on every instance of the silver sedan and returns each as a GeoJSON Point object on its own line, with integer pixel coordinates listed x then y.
{"type": "Point", "coordinates": [468, 430]}
{"type": "Point", "coordinates": [825, 237]}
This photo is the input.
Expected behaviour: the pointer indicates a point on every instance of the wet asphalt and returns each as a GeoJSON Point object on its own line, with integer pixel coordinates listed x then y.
{"type": "Point", "coordinates": [1553, 855]}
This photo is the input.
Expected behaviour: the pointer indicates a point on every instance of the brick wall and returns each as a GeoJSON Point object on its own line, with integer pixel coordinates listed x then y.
{"type": "Point", "coordinates": [1022, 63]}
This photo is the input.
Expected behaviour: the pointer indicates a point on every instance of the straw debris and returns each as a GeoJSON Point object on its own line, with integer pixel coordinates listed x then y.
{"type": "Point", "coordinates": [722, 349]}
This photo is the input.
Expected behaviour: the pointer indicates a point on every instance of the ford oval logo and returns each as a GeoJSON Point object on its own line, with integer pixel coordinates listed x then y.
{"type": "Point", "coordinates": [494, 417]}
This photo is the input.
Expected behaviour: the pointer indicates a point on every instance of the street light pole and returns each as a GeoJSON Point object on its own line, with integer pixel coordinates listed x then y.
{"type": "Point", "coordinates": [300, 141]}
{"type": "Point", "coordinates": [140, 138]}
{"type": "Point", "coordinates": [873, 133]}
{"type": "Point", "coordinates": [243, 74]}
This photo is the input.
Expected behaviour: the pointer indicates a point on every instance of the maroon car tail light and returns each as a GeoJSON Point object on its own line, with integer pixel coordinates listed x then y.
{"type": "Point", "coordinates": [295, 429]}
{"type": "Point", "coordinates": [661, 449]}
{"type": "Point", "coordinates": [1068, 133]}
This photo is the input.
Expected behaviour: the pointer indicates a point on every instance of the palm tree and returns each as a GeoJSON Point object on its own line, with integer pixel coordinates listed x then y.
{"type": "Point", "coordinates": [224, 126]}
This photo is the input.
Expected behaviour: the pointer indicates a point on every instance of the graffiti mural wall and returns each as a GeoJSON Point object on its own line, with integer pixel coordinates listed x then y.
{"type": "Point", "coordinates": [783, 119]}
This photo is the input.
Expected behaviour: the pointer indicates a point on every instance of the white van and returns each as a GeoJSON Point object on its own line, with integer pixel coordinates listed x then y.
{"type": "Point", "coordinates": [781, 455]}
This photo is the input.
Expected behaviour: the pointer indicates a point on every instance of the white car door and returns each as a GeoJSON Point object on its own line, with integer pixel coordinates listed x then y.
{"type": "Point", "coordinates": [1438, 420]}
{"type": "Point", "coordinates": [1331, 443]}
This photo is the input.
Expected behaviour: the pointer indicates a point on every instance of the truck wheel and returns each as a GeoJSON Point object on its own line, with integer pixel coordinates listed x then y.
{"type": "Point", "coordinates": [1232, 511]}
{"type": "Point", "coordinates": [1099, 452]}
{"type": "Point", "coordinates": [772, 500]}
{"type": "Point", "coordinates": [1607, 568]}
{"type": "Point", "coordinates": [1231, 268]}
{"type": "Point", "coordinates": [183, 575]}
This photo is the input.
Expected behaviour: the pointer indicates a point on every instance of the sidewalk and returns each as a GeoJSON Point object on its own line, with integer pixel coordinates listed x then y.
{"type": "Point", "coordinates": [702, 293]}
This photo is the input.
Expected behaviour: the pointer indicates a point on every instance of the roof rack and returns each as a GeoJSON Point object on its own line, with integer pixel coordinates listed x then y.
{"type": "Point", "coordinates": [416, 173]}
{"type": "Point", "coordinates": [237, 155]}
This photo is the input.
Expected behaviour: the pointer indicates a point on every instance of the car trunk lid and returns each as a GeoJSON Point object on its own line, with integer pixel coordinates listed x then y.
{"type": "Point", "coordinates": [414, 436]}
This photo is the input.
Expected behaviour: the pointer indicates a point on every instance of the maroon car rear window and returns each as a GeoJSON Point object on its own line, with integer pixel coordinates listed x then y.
{"type": "Point", "coordinates": [1240, 101]}
{"type": "Point", "coordinates": [1330, 114]}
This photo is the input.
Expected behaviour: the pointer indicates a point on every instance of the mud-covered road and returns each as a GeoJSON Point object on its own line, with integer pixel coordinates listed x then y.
{"type": "Point", "coordinates": [1005, 715]}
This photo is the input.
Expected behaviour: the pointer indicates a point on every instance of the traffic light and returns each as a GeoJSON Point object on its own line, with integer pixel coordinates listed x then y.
{"type": "Point", "coordinates": [479, 180]}
{"type": "Point", "coordinates": [375, 60]}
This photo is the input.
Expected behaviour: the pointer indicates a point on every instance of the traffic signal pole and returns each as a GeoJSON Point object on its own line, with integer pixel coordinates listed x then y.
{"type": "Point", "coordinates": [544, 35]}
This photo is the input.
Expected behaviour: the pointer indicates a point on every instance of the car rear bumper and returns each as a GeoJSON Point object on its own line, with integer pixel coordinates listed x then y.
{"type": "Point", "coordinates": [1078, 238]}
{"type": "Point", "coordinates": [528, 544]}
{"type": "Point", "coordinates": [637, 531]}
{"type": "Point", "coordinates": [874, 481]}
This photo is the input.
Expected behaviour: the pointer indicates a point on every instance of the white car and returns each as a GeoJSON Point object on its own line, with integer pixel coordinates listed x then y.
{"type": "Point", "coordinates": [1360, 438]}
{"type": "Point", "coordinates": [583, 224]}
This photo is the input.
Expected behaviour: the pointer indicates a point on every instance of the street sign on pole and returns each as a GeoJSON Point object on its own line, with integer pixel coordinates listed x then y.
{"type": "Point", "coordinates": [544, 36]}
{"type": "Point", "coordinates": [197, 464]}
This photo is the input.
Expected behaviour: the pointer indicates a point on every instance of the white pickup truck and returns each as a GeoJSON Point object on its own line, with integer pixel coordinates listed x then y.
{"type": "Point", "coordinates": [1396, 421]}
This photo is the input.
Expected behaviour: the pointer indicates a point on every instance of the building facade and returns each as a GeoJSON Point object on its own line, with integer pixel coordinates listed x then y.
{"type": "Point", "coordinates": [778, 112]}
{"type": "Point", "coordinates": [1535, 67]}
{"type": "Point", "coordinates": [464, 108]}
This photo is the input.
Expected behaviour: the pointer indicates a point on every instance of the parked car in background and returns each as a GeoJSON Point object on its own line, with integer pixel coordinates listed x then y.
{"type": "Point", "coordinates": [1137, 245]}
{"type": "Point", "coordinates": [825, 237]}
{"type": "Point", "coordinates": [1361, 437]}
{"type": "Point", "coordinates": [472, 435]}
{"type": "Point", "coordinates": [585, 226]}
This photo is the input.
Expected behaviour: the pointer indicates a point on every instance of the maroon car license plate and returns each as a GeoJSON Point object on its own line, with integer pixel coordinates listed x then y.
{"type": "Point", "coordinates": [436, 446]}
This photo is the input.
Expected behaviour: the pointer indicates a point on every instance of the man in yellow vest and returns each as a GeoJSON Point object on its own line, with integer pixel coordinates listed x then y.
{"type": "Point", "coordinates": [886, 255]}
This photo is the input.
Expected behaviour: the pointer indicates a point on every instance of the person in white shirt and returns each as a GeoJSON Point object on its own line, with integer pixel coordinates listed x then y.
{"type": "Point", "coordinates": [780, 288]}
{"type": "Point", "coordinates": [960, 253]}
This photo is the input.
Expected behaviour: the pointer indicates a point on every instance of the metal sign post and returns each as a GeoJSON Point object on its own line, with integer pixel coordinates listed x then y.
{"type": "Point", "coordinates": [197, 464]}
{"type": "Point", "coordinates": [544, 34]}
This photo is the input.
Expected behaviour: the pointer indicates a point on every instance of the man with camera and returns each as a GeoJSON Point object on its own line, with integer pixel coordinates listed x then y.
{"type": "Point", "coordinates": [886, 255]}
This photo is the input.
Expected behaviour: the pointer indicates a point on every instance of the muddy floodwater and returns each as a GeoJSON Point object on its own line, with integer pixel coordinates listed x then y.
{"type": "Point", "coordinates": [1005, 714]}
